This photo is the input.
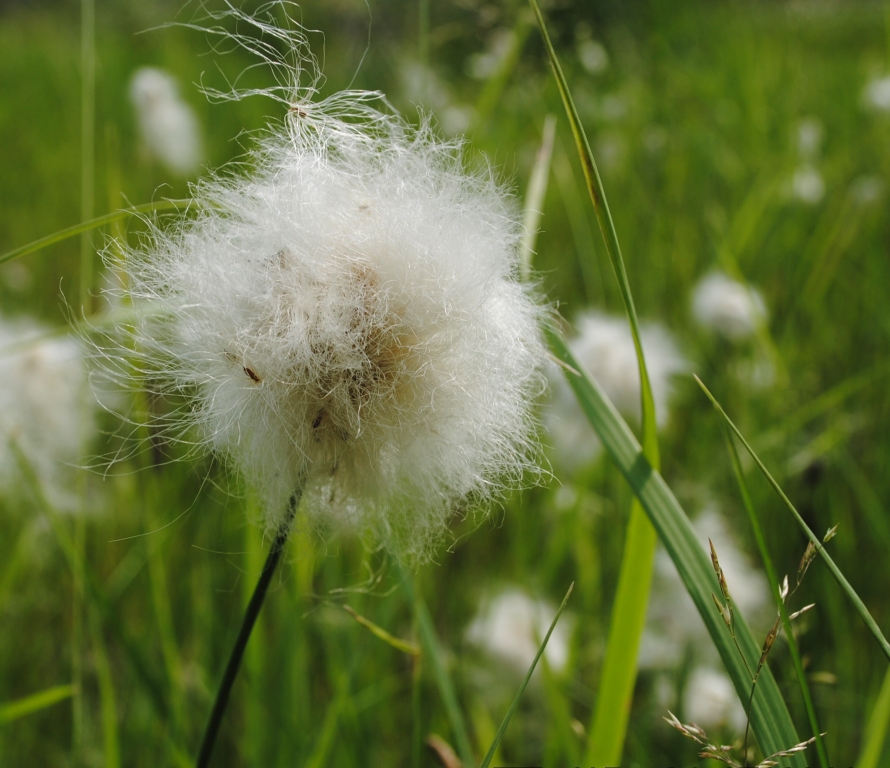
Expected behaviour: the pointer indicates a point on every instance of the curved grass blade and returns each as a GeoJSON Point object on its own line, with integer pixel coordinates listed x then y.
{"type": "Point", "coordinates": [28, 705]}
{"type": "Point", "coordinates": [611, 713]}
{"type": "Point", "coordinates": [770, 720]}
{"type": "Point", "coordinates": [876, 731]}
{"type": "Point", "coordinates": [528, 676]}
{"type": "Point", "coordinates": [77, 229]}
{"type": "Point", "coordinates": [817, 542]}
{"type": "Point", "coordinates": [772, 577]}
{"type": "Point", "coordinates": [534, 199]}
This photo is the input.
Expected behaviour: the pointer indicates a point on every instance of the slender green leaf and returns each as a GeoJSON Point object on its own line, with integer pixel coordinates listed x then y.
{"type": "Point", "coordinates": [440, 673]}
{"type": "Point", "coordinates": [771, 723]}
{"type": "Point", "coordinates": [773, 579]}
{"type": "Point", "coordinates": [610, 716]}
{"type": "Point", "coordinates": [400, 645]}
{"type": "Point", "coordinates": [534, 198]}
{"type": "Point", "coordinates": [876, 731]}
{"type": "Point", "coordinates": [817, 542]}
{"type": "Point", "coordinates": [77, 229]}
{"type": "Point", "coordinates": [528, 676]}
{"type": "Point", "coordinates": [13, 710]}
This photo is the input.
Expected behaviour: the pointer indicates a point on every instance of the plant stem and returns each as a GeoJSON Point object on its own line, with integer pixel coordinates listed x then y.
{"type": "Point", "coordinates": [247, 624]}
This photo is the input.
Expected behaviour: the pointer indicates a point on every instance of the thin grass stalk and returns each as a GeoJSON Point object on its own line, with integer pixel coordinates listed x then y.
{"type": "Point", "coordinates": [87, 204]}
{"type": "Point", "coordinates": [35, 702]}
{"type": "Point", "coordinates": [770, 720]}
{"type": "Point", "coordinates": [528, 676]}
{"type": "Point", "coordinates": [87, 141]}
{"type": "Point", "coordinates": [610, 717]}
{"type": "Point", "coordinates": [110, 739]}
{"type": "Point", "coordinates": [773, 579]}
{"type": "Point", "coordinates": [78, 229]}
{"type": "Point", "coordinates": [446, 688]}
{"type": "Point", "coordinates": [852, 595]}
{"type": "Point", "coordinates": [534, 198]}
{"type": "Point", "coordinates": [250, 616]}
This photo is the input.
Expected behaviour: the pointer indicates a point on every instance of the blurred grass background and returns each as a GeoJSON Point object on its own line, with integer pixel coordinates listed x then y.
{"type": "Point", "coordinates": [694, 122]}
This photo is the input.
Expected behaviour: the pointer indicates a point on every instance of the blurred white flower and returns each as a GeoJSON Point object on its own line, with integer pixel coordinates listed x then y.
{"type": "Point", "coordinates": [604, 347]}
{"type": "Point", "coordinates": [167, 124]}
{"type": "Point", "coordinates": [727, 306]}
{"type": "Point", "coordinates": [673, 624]}
{"type": "Point", "coordinates": [876, 94]}
{"type": "Point", "coordinates": [511, 627]}
{"type": "Point", "coordinates": [593, 55]}
{"type": "Point", "coordinates": [46, 408]}
{"type": "Point", "coordinates": [350, 320]}
{"type": "Point", "coordinates": [807, 184]}
{"type": "Point", "coordinates": [809, 138]}
{"type": "Point", "coordinates": [711, 701]}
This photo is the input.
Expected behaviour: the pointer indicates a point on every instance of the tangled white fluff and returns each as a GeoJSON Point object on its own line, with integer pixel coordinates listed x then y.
{"type": "Point", "coordinates": [349, 320]}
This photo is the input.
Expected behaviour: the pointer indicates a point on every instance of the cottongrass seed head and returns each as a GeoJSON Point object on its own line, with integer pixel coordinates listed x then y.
{"type": "Point", "coordinates": [167, 124]}
{"type": "Point", "coordinates": [349, 318]}
{"type": "Point", "coordinates": [727, 306]}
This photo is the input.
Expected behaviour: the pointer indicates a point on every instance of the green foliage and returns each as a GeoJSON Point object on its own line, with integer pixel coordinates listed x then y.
{"type": "Point", "coordinates": [694, 125]}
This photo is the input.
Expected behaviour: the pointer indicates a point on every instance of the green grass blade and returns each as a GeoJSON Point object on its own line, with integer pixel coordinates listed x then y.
{"type": "Point", "coordinates": [534, 198]}
{"type": "Point", "coordinates": [440, 673]}
{"type": "Point", "coordinates": [14, 710]}
{"type": "Point", "coordinates": [610, 236]}
{"type": "Point", "coordinates": [783, 611]}
{"type": "Point", "coordinates": [626, 625]}
{"type": "Point", "coordinates": [876, 731]}
{"type": "Point", "coordinates": [610, 715]}
{"type": "Point", "coordinates": [379, 632]}
{"type": "Point", "coordinates": [77, 229]}
{"type": "Point", "coordinates": [770, 720]}
{"type": "Point", "coordinates": [817, 542]}
{"type": "Point", "coordinates": [528, 676]}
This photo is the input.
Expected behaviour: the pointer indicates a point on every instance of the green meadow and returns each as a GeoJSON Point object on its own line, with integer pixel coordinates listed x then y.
{"type": "Point", "coordinates": [732, 136]}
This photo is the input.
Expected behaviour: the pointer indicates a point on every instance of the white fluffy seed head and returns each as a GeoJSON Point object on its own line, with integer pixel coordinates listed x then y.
{"type": "Point", "coordinates": [46, 408]}
{"type": "Point", "coordinates": [604, 347]}
{"type": "Point", "coordinates": [727, 306]}
{"type": "Point", "coordinates": [349, 319]}
{"type": "Point", "coordinates": [167, 124]}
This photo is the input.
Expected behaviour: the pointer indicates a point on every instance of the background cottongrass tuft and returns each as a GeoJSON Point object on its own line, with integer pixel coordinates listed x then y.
{"type": "Point", "coordinates": [46, 409]}
{"type": "Point", "coordinates": [168, 126]}
{"type": "Point", "coordinates": [727, 306]}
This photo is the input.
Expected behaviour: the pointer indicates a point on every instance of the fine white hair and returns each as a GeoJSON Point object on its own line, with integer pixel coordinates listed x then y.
{"type": "Point", "coordinates": [348, 316]}
{"type": "Point", "coordinates": [727, 306]}
{"type": "Point", "coordinates": [167, 124]}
